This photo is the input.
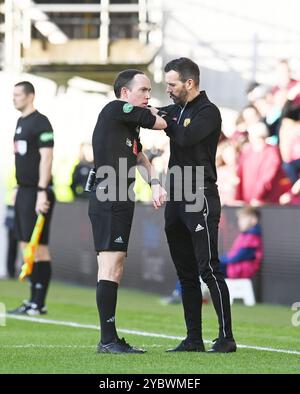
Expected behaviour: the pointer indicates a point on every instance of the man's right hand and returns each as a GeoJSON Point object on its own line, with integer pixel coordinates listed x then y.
{"type": "Point", "coordinates": [159, 196]}
{"type": "Point", "coordinates": [153, 110]}
{"type": "Point", "coordinates": [42, 204]}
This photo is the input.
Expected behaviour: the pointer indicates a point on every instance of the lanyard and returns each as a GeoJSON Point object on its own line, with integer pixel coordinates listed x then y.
{"type": "Point", "coordinates": [181, 112]}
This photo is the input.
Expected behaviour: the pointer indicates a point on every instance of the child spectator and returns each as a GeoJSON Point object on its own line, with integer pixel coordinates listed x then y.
{"type": "Point", "coordinates": [244, 258]}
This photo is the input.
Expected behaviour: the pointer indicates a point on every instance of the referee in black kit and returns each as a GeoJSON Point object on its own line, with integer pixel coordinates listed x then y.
{"type": "Point", "coordinates": [33, 147]}
{"type": "Point", "coordinates": [116, 145]}
{"type": "Point", "coordinates": [194, 125]}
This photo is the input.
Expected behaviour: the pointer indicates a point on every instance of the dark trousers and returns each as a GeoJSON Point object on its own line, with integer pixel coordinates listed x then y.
{"type": "Point", "coordinates": [12, 250]}
{"type": "Point", "coordinates": [193, 243]}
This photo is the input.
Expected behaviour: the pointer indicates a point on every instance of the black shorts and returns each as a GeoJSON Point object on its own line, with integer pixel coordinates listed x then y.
{"type": "Point", "coordinates": [25, 215]}
{"type": "Point", "coordinates": [111, 223]}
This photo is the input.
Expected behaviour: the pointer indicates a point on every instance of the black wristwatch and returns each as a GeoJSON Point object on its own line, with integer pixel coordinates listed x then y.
{"type": "Point", "coordinates": [154, 181]}
{"type": "Point", "coordinates": [41, 189]}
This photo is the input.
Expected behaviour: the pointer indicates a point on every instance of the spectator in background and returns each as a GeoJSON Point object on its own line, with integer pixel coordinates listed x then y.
{"type": "Point", "coordinates": [226, 164]}
{"type": "Point", "coordinates": [240, 135]}
{"type": "Point", "coordinates": [244, 258]}
{"type": "Point", "coordinates": [251, 116]}
{"type": "Point", "coordinates": [292, 196]}
{"type": "Point", "coordinates": [259, 170]}
{"type": "Point", "coordinates": [261, 98]}
{"type": "Point", "coordinates": [290, 140]}
{"type": "Point", "coordinates": [284, 84]}
{"type": "Point", "coordinates": [175, 297]}
{"type": "Point", "coordinates": [81, 170]}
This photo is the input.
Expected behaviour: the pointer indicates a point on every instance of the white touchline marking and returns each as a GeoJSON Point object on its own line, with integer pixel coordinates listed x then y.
{"type": "Point", "coordinates": [34, 345]}
{"type": "Point", "coordinates": [140, 333]}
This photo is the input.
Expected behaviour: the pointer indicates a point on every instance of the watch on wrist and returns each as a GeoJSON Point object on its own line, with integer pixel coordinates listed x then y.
{"type": "Point", "coordinates": [154, 181]}
{"type": "Point", "coordinates": [41, 189]}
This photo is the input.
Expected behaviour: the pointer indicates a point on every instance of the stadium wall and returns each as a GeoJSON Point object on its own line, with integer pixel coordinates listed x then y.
{"type": "Point", "coordinates": [149, 266]}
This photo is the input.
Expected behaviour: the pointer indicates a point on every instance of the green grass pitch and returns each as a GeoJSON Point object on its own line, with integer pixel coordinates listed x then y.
{"type": "Point", "coordinates": [32, 347]}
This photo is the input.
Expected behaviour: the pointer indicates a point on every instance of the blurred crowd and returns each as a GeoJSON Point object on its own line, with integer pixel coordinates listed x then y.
{"type": "Point", "coordinates": [259, 161]}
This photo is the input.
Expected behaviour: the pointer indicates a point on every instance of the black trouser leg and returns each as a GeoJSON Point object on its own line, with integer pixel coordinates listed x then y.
{"type": "Point", "coordinates": [12, 250]}
{"type": "Point", "coordinates": [181, 249]}
{"type": "Point", "coordinates": [206, 250]}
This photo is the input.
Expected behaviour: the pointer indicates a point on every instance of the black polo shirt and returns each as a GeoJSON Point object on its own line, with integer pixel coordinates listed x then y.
{"type": "Point", "coordinates": [194, 132]}
{"type": "Point", "coordinates": [116, 134]}
{"type": "Point", "coordinates": [32, 133]}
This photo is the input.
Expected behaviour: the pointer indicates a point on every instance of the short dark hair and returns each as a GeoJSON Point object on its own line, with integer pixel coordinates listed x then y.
{"type": "Point", "coordinates": [186, 69]}
{"type": "Point", "coordinates": [27, 86]}
{"type": "Point", "coordinates": [124, 79]}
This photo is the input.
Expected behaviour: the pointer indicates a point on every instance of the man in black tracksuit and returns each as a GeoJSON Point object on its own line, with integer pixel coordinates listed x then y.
{"type": "Point", "coordinates": [194, 125]}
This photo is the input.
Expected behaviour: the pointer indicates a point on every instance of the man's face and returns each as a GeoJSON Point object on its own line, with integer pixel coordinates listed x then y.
{"type": "Point", "coordinates": [20, 99]}
{"type": "Point", "coordinates": [139, 92]}
{"type": "Point", "coordinates": [176, 88]}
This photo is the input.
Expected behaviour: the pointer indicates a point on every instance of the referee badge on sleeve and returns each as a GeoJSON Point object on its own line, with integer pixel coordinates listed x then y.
{"type": "Point", "coordinates": [127, 108]}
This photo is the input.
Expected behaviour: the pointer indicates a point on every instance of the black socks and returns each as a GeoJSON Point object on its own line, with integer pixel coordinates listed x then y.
{"type": "Point", "coordinates": [40, 279]}
{"type": "Point", "coordinates": [106, 297]}
{"type": "Point", "coordinates": [33, 280]}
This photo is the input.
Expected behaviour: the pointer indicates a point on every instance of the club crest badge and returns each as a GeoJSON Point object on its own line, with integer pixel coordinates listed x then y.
{"type": "Point", "coordinates": [186, 122]}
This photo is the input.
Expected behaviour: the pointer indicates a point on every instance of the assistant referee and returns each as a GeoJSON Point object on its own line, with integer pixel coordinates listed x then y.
{"type": "Point", "coordinates": [116, 144]}
{"type": "Point", "coordinates": [33, 147]}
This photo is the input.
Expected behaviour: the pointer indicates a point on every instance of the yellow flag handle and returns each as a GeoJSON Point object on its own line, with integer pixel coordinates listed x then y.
{"type": "Point", "coordinates": [30, 249]}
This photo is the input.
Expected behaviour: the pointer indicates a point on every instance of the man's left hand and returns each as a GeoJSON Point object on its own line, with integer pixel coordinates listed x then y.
{"type": "Point", "coordinates": [159, 196]}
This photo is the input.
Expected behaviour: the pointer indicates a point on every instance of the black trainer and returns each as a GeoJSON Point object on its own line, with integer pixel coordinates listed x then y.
{"type": "Point", "coordinates": [22, 309]}
{"type": "Point", "coordinates": [188, 345]}
{"type": "Point", "coordinates": [118, 346]}
{"type": "Point", "coordinates": [223, 345]}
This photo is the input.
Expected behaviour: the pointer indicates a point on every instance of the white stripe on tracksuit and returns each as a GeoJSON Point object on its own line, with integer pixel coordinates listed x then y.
{"type": "Point", "coordinates": [212, 271]}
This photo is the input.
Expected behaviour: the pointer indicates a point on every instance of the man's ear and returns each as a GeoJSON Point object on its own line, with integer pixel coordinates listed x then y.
{"type": "Point", "coordinates": [31, 96]}
{"type": "Point", "coordinates": [190, 84]}
{"type": "Point", "coordinates": [124, 93]}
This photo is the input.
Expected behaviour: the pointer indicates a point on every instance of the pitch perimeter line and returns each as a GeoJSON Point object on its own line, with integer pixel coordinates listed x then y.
{"type": "Point", "coordinates": [141, 333]}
